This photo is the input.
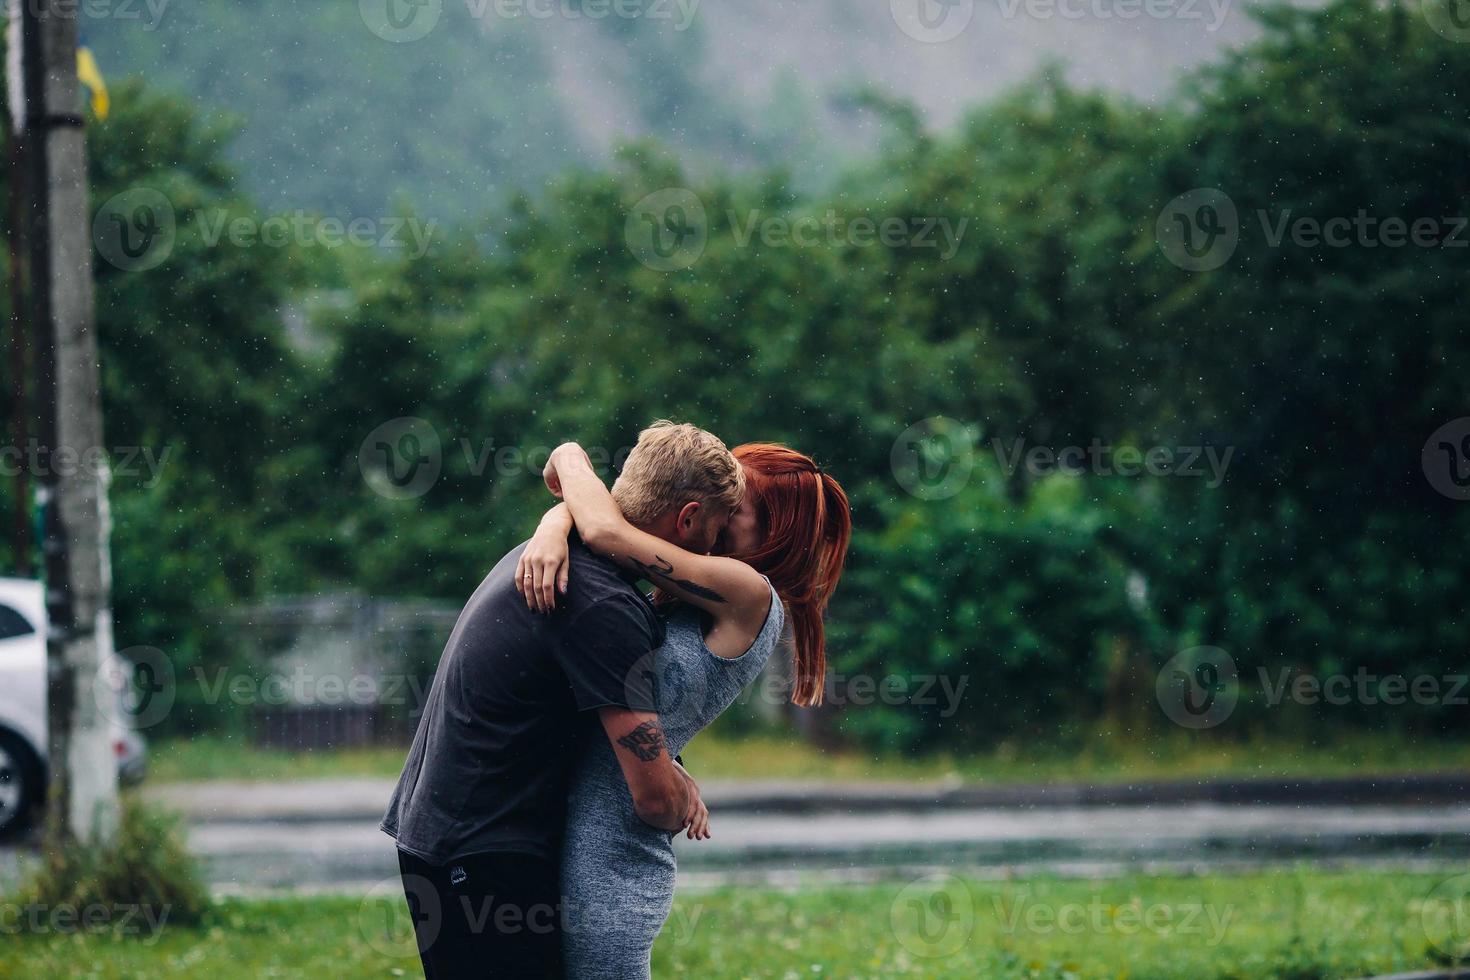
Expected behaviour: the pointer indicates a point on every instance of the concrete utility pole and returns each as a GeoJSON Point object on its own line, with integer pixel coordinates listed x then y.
{"type": "Point", "coordinates": [72, 461]}
{"type": "Point", "coordinates": [20, 403]}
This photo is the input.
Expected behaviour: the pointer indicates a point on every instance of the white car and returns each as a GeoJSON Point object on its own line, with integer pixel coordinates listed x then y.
{"type": "Point", "coordinates": [23, 772]}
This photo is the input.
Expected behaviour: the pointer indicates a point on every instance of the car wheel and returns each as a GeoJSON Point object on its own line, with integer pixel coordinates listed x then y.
{"type": "Point", "coordinates": [20, 785]}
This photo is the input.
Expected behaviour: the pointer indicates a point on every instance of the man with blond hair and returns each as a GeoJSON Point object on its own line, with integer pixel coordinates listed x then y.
{"type": "Point", "coordinates": [479, 808]}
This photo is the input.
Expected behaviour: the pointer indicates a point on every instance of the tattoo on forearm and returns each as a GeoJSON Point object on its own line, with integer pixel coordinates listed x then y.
{"type": "Point", "coordinates": [646, 741]}
{"type": "Point", "coordinates": [664, 572]}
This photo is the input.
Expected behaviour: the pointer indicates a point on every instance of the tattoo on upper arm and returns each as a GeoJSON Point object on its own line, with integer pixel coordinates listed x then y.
{"type": "Point", "coordinates": [664, 572]}
{"type": "Point", "coordinates": [646, 741]}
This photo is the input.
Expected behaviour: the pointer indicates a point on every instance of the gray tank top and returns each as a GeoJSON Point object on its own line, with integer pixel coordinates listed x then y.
{"type": "Point", "coordinates": [692, 685]}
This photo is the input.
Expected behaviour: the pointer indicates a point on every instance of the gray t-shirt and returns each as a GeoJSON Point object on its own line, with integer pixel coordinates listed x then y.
{"type": "Point", "coordinates": [490, 762]}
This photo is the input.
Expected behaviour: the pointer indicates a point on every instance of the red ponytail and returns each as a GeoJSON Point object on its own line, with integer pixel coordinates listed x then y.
{"type": "Point", "coordinates": [806, 526]}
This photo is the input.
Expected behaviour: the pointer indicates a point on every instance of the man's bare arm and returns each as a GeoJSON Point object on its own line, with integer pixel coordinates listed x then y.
{"type": "Point", "coordinates": [660, 793]}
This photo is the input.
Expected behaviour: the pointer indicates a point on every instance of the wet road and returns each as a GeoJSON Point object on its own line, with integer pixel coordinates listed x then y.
{"type": "Point", "coordinates": [323, 835]}
{"type": "Point", "coordinates": [774, 849]}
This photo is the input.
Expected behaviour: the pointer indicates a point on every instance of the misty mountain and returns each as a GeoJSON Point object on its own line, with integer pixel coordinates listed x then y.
{"type": "Point", "coordinates": [352, 109]}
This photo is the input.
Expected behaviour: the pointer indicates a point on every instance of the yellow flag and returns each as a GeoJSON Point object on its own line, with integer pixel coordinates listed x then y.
{"type": "Point", "coordinates": [91, 76]}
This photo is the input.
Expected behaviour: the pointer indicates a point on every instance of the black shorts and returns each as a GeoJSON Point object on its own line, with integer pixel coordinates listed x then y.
{"type": "Point", "coordinates": [490, 915]}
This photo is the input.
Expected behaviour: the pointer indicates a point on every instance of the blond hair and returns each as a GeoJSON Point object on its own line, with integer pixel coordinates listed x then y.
{"type": "Point", "coordinates": [675, 463]}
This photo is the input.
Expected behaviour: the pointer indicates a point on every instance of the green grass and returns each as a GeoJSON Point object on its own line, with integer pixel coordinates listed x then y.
{"type": "Point", "coordinates": [716, 755]}
{"type": "Point", "coordinates": [1292, 924]}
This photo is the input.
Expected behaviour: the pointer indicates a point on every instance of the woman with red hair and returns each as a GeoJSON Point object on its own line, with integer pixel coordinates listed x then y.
{"type": "Point", "coordinates": [780, 554]}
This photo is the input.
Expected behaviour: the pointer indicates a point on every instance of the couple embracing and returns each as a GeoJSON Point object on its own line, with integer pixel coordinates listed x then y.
{"type": "Point", "coordinates": [536, 813]}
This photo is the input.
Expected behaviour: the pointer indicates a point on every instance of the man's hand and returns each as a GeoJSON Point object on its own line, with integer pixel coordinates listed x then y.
{"type": "Point", "coordinates": [696, 818]}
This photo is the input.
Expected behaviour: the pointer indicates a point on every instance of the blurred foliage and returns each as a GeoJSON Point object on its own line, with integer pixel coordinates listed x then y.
{"type": "Point", "coordinates": [1056, 321]}
{"type": "Point", "coordinates": [142, 882]}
